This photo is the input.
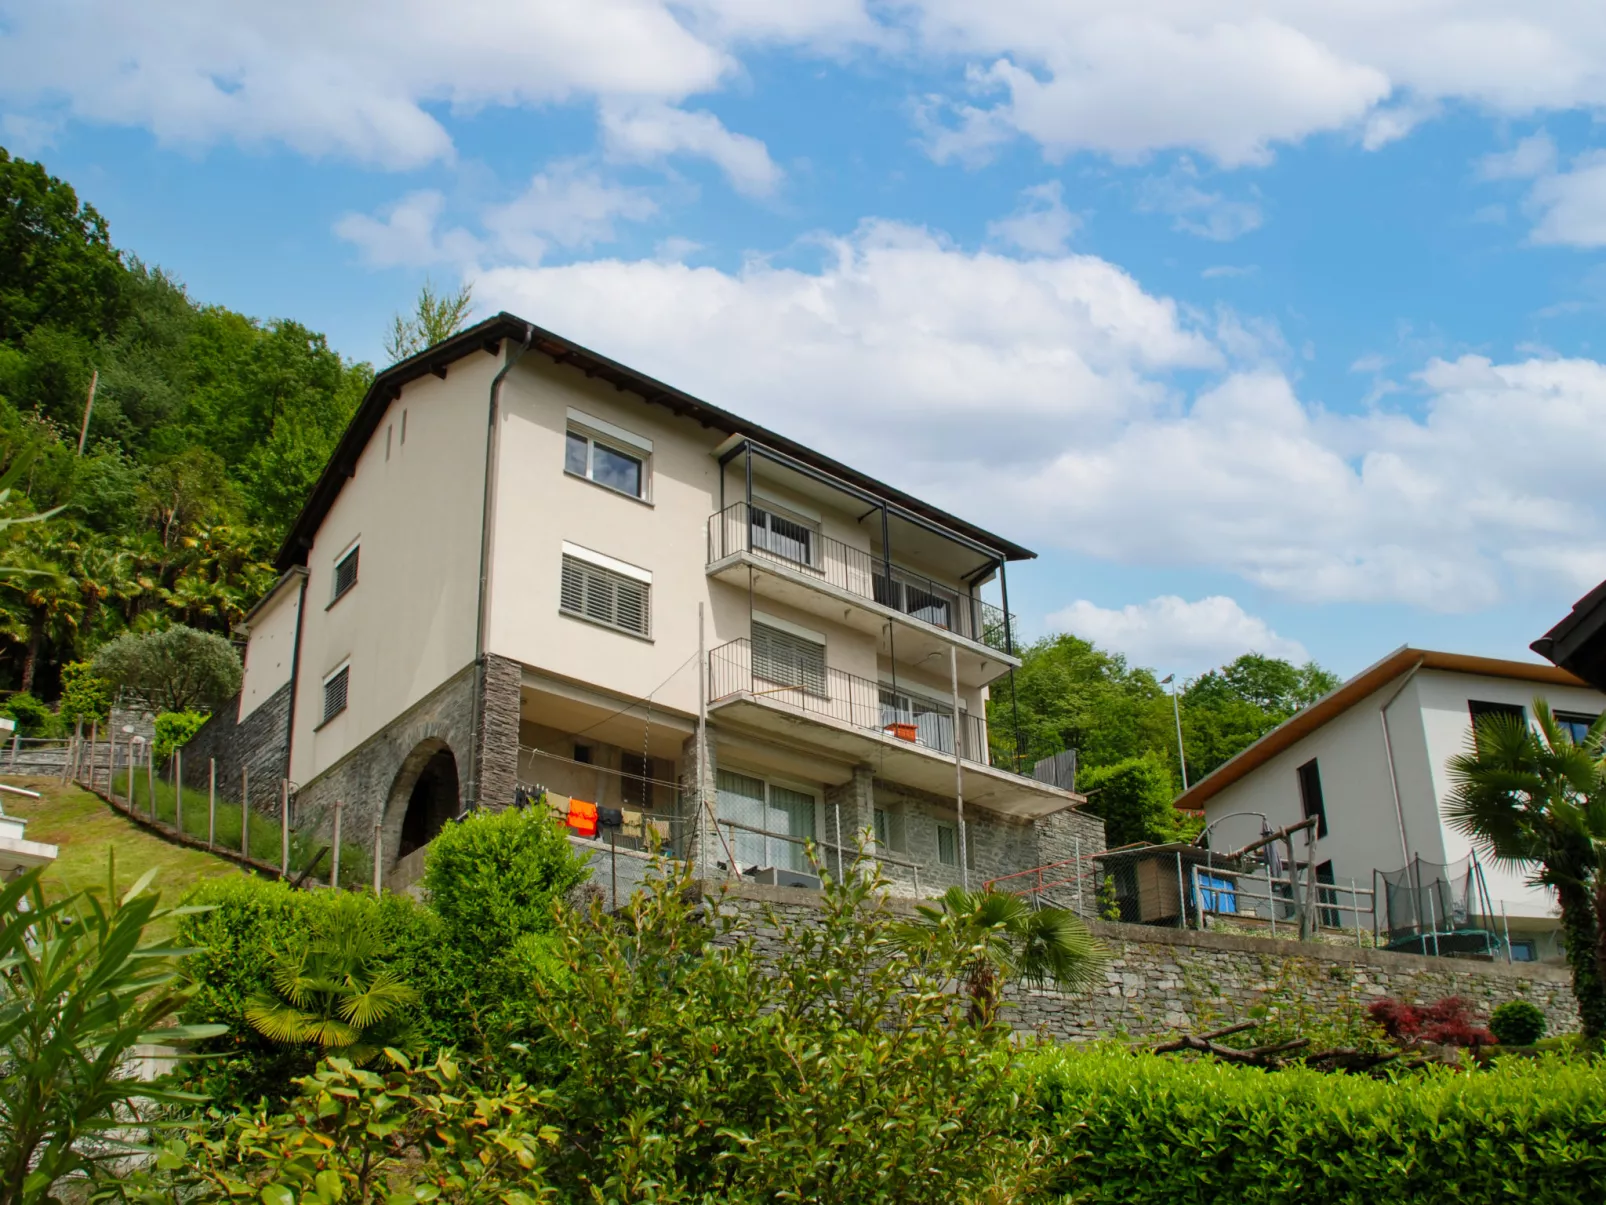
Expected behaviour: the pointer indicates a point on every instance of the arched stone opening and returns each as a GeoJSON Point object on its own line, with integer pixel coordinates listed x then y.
{"type": "Point", "coordinates": [424, 798]}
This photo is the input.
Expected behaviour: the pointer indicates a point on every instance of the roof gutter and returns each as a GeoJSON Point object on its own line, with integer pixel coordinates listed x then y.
{"type": "Point", "coordinates": [487, 519]}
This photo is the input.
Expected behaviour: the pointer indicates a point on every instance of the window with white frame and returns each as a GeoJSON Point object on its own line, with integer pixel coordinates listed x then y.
{"type": "Point", "coordinates": [789, 659]}
{"type": "Point", "coordinates": [784, 535]}
{"type": "Point", "coordinates": [345, 572]}
{"type": "Point", "coordinates": [335, 689]}
{"type": "Point", "coordinates": [608, 455]}
{"type": "Point", "coordinates": [947, 845]}
{"type": "Point", "coordinates": [605, 591]}
{"type": "Point", "coordinates": [765, 823]}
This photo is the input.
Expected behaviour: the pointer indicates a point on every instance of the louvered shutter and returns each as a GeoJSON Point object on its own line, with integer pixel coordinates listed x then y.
{"type": "Point", "coordinates": [789, 660]}
{"type": "Point", "coordinates": [334, 694]}
{"type": "Point", "coordinates": [604, 597]}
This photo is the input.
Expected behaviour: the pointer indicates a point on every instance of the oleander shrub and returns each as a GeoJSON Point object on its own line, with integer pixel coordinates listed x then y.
{"type": "Point", "coordinates": [1517, 1023]}
{"type": "Point", "coordinates": [1142, 1128]}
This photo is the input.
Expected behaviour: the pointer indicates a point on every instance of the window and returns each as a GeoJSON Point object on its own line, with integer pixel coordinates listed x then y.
{"type": "Point", "coordinates": [582, 754]}
{"type": "Point", "coordinates": [948, 845]}
{"type": "Point", "coordinates": [933, 721]}
{"type": "Point", "coordinates": [334, 693]}
{"type": "Point", "coordinates": [883, 829]}
{"type": "Point", "coordinates": [787, 538]}
{"type": "Point", "coordinates": [1575, 724]}
{"type": "Point", "coordinates": [766, 812]}
{"type": "Point", "coordinates": [603, 596]}
{"type": "Point", "coordinates": [1481, 710]}
{"type": "Point", "coordinates": [789, 660]}
{"type": "Point", "coordinates": [1310, 795]}
{"type": "Point", "coordinates": [917, 596]}
{"type": "Point", "coordinates": [606, 454]}
{"type": "Point", "coordinates": [1524, 951]}
{"type": "Point", "coordinates": [345, 573]}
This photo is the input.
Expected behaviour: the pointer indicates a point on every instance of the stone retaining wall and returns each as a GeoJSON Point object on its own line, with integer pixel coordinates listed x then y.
{"type": "Point", "coordinates": [1160, 981]}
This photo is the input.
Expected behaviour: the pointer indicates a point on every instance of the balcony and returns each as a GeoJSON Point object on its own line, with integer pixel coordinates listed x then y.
{"type": "Point", "coordinates": [867, 722]}
{"type": "Point", "coordinates": [797, 565]}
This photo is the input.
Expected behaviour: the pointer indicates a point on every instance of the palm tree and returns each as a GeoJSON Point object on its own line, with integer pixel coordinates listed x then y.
{"type": "Point", "coordinates": [330, 990]}
{"type": "Point", "coordinates": [1536, 801]}
{"type": "Point", "coordinates": [996, 938]}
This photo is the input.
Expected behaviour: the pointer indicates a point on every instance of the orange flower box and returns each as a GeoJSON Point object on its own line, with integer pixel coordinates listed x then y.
{"type": "Point", "coordinates": [904, 732]}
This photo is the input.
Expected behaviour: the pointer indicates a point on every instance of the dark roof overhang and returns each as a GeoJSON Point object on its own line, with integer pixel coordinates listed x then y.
{"type": "Point", "coordinates": [1578, 643]}
{"type": "Point", "coordinates": [487, 337]}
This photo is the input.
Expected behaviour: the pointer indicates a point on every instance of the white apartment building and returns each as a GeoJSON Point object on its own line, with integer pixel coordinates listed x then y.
{"type": "Point", "coordinates": [501, 585]}
{"type": "Point", "coordinates": [1369, 760]}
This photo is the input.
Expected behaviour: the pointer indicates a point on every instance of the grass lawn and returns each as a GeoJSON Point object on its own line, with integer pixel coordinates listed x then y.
{"type": "Point", "coordinates": [85, 829]}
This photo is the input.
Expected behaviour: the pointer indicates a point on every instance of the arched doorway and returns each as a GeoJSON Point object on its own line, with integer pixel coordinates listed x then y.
{"type": "Point", "coordinates": [428, 784]}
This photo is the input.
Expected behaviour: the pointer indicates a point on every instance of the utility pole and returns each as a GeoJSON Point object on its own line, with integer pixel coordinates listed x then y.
{"type": "Point", "coordinates": [1176, 710]}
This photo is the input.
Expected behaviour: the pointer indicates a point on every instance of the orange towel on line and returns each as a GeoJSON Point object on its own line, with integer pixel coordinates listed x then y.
{"type": "Point", "coordinates": [583, 817]}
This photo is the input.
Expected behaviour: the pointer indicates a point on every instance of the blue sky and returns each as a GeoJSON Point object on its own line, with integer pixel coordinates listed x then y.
{"type": "Point", "coordinates": [1270, 325]}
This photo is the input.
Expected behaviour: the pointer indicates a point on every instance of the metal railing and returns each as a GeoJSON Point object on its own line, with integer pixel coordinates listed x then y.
{"type": "Point", "coordinates": [763, 533]}
{"type": "Point", "coordinates": [848, 698]}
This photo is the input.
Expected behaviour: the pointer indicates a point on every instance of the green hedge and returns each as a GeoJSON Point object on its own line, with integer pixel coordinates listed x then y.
{"type": "Point", "coordinates": [1142, 1128]}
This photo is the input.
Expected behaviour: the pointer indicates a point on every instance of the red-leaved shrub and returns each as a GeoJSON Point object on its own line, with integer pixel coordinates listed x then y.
{"type": "Point", "coordinates": [1444, 1023]}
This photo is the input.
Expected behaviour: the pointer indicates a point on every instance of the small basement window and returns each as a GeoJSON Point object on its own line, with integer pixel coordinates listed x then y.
{"type": "Point", "coordinates": [345, 573]}
{"type": "Point", "coordinates": [334, 692]}
{"type": "Point", "coordinates": [948, 845]}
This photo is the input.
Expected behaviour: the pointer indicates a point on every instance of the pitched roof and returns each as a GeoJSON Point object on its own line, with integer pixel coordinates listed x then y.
{"type": "Point", "coordinates": [487, 336]}
{"type": "Point", "coordinates": [1401, 661]}
{"type": "Point", "coordinates": [1576, 642]}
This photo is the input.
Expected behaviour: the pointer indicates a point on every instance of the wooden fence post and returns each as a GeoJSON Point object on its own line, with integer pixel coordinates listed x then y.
{"type": "Point", "coordinates": [178, 790]}
{"type": "Point", "coordinates": [284, 827]}
{"type": "Point", "coordinates": [211, 801]}
{"type": "Point", "coordinates": [334, 873]}
{"type": "Point", "coordinates": [150, 774]}
{"type": "Point", "coordinates": [377, 853]}
{"type": "Point", "coordinates": [245, 814]}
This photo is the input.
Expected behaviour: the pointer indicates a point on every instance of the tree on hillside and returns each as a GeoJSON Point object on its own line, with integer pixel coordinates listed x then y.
{"type": "Point", "coordinates": [1536, 801]}
{"type": "Point", "coordinates": [175, 669]}
{"type": "Point", "coordinates": [435, 317]}
{"type": "Point", "coordinates": [1133, 798]}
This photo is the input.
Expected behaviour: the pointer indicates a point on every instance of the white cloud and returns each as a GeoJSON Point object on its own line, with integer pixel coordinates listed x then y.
{"type": "Point", "coordinates": [1232, 79]}
{"type": "Point", "coordinates": [1039, 395]}
{"type": "Point", "coordinates": [1572, 204]}
{"type": "Point", "coordinates": [568, 205]}
{"type": "Point", "coordinates": [1533, 156]}
{"type": "Point", "coordinates": [1041, 225]}
{"type": "Point", "coordinates": [1174, 635]}
{"type": "Point", "coordinates": [406, 235]}
{"type": "Point", "coordinates": [1218, 271]}
{"type": "Point", "coordinates": [370, 79]}
{"type": "Point", "coordinates": [653, 132]}
{"type": "Point", "coordinates": [1193, 210]}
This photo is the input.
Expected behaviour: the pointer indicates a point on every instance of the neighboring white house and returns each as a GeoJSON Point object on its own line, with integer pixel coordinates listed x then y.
{"type": "Point", "coordinates": [501, 582]}
{"type": "Point", "coordinates": [1370, 759]}
{"type": "Point", "coordinates": [17, 853]}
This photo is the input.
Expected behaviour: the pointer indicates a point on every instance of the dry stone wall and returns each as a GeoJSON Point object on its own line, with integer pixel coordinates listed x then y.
{"type": "Point", "coordinates": [1161, 981]}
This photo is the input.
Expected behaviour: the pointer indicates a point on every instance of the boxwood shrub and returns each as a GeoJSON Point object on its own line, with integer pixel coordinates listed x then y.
{"type": "Point", "coordinates": [1146, 1128]}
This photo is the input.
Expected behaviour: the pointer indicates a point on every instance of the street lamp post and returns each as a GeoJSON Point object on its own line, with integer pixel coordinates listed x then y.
{"type": "Point", "coordinates": [1176, 710]}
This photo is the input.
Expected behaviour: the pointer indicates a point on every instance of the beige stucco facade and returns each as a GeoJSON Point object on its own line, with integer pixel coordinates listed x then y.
{"type": "Point", "coordinates": [603, 713]}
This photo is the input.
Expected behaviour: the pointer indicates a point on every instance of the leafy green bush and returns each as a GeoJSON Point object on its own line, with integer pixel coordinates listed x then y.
{"type": "Point", "coordinates": [84, 696]}
{"type": "Point", "coordinates": [248, 921]}
{"type": "Point", "coordinates": [833, 1065]}
{"type": "Point", "coordinates": [1138, 1128]}
{"type": "Point", "coordinates": [406, 1134]}
{"type": "Point", "coordinates": [1133, 797]}
{"type": "Point", "coordinates": [174, 729]}
{"type": "Point", "coordinates": [175, 668]}
{"type": "Point", "coordinates": [33, 717]}
{"type": "Point", "coordinates": [1517, 1023]}
{"type": "Point", "coordinates": [494, 879]}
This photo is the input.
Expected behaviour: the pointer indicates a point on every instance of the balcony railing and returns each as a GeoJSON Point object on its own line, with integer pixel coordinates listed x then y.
{"type": "Point", "coordinates": [764, 533]}
{"type": "Point", "coordinates": [838, 695]}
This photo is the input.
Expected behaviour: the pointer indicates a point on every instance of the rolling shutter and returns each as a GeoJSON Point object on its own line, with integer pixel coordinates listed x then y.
{"type": "Point", "coordinates": [788, 660]}
{"type": "Point", "coordinates": [608, 598]}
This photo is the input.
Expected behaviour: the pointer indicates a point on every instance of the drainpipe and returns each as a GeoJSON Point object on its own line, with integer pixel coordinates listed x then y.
{"type": "Point", "coordinates": [295, 681]}
{"type": "Point", "coordinates": [471, 798]}
{"type": "Point", "coordinates": [1388, 750]}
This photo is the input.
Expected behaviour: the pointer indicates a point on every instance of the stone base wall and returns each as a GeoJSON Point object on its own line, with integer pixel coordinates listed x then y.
{"type": "Point", "coordinates": [1161, 981]}
{"type": "Point", "coordinates": [259, 745]}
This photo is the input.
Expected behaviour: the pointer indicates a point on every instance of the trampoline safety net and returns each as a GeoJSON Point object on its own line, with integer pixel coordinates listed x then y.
{"type": "Point", "coordinates": [1439, 909]}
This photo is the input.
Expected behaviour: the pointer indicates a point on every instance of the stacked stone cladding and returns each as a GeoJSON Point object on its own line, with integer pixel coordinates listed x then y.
{"type": "Point", "coordinates": [259, 745]}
